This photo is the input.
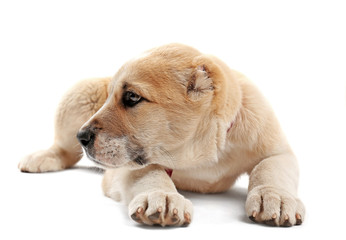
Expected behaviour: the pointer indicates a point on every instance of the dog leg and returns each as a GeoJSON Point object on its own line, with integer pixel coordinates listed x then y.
{"type": "Point", "coordinates": [150, 194]}
{"type": "Point", "coordinates": [76, 107]}
{"type": "Point", "coordinates": [272, 194]}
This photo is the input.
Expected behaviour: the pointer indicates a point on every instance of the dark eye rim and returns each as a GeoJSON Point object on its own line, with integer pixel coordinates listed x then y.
{"type": "Point", "coordinates": [131, 99]}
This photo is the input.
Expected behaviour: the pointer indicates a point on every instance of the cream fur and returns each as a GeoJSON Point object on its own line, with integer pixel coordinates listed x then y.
{"type": "Point", "coordinates": [191, 100]}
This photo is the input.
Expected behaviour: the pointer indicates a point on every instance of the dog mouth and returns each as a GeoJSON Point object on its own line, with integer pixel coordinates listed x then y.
{"type": "Point", "coordinates": [109, 163]}
{"type": "Point", "coordinates": [111, 152]}
{"type": "Point", "coordinates": [140, 160]}
{"type": "Point", "coordinates": [115, 152]}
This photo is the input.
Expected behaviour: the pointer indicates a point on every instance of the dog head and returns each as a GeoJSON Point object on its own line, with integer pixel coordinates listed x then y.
{"type": "Point", "coordinates": [162, 108]}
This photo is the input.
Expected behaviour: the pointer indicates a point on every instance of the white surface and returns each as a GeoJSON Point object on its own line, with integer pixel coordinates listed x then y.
{"type": "Point", "coordinates": [294, 51]}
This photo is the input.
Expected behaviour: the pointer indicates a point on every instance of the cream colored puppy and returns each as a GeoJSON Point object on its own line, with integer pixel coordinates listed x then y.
{"type": "Point", "coordinates": [171, 119]}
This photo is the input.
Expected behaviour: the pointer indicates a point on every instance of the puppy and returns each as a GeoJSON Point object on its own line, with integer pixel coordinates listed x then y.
{"type": "Point", "coordinates": [174, 118]}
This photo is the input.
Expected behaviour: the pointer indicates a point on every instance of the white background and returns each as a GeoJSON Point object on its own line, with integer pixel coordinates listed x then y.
{"type": "Point", "coordinates": [293, 50]}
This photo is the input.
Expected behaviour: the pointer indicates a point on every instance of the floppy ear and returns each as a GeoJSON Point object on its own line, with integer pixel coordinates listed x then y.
{"type": "Point", "coordinates": [199, 83]}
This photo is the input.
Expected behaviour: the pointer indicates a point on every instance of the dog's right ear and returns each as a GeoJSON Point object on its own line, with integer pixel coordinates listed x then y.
{"type": "Point", "coordinates": [199, 83]}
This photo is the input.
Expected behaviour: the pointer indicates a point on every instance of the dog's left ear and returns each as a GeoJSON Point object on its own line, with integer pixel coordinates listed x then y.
{"type": "Point", "coordinates": [200, 83]}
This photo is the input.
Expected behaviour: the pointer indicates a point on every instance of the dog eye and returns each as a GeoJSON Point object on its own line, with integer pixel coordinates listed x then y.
{"type": "Point", "coordinates": [130, 99]}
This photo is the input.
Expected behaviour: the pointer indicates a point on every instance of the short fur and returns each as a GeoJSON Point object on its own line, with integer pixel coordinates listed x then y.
{"type": "Point", "coordinates": [205, 121]}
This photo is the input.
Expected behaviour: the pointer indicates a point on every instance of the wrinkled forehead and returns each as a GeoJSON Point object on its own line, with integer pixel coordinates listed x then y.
{"type": "Point", "coordinates": [149, 76]}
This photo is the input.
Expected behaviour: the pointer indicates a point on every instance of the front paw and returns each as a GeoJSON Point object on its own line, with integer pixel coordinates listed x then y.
{"type": "Point", "coordinates": [41, 161]}
{"type": "Point", "coordinates": [161, 208]}
{"type": "Point", "coordinates": [275, 207]}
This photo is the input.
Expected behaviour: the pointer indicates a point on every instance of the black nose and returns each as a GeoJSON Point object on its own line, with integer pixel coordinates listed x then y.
{"type": "Point", "coordinates": [85, 137]}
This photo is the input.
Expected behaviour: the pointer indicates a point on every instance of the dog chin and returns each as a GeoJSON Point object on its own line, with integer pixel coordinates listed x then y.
{"type": "Point", "coordinates": [99, 163]}
{"type": "Point", "coordinates": [105, 165]}
{"type": "Point", "coordinates": [102, 164]}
